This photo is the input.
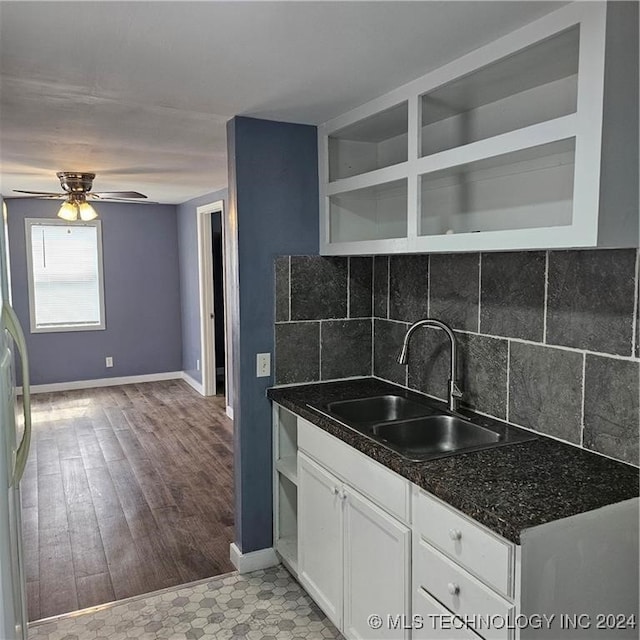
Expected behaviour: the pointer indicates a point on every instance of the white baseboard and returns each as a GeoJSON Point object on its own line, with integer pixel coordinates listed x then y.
{"type": "Point", "coordinates": [229, 412]}
{"type": "Point", "coordinates": [192, 382]}
{"type": "Point", "coordinates": [103, 382]}
{"type": "Point", "coordinates": [254, 560]}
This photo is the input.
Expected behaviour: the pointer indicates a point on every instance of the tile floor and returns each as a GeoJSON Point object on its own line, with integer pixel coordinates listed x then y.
{"type": "Point", "coordinates": [264, 605]}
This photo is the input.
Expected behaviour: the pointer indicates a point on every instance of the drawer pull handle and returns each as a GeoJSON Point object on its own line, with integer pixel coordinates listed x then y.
{"type": "Point", "coordinates": [335, 491]}
{"type": "Point", "coordinates": [453, 588]}
{"type": "Point", "coordinates": [455, 534]}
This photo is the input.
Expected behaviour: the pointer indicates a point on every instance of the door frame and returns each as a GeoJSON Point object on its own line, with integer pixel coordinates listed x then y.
{"type": "Point", "coordinates": [206, 295]}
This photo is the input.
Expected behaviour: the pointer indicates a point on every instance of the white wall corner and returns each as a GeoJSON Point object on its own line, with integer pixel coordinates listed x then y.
{"type": "Point", "coordinates": [254, 560]}
{"type": "Point", "coordinates": [192, 382]}
{"type": "Point", "coordinates": [230, 412]}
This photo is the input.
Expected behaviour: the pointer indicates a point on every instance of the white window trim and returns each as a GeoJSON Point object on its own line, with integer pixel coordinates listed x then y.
{"type": "Point", "coordinates": [34, 222]}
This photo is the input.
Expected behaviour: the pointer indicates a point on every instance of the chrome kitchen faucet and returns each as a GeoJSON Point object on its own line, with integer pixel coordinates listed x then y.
{"type": "Point", "coordinates": [454, 390]}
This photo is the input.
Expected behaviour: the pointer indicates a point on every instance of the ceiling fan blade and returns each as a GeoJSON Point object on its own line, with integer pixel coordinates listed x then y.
{"type": "Point", "coordinates": [120, 195]}
{"type": "Point", "coordinates": [46, 194]}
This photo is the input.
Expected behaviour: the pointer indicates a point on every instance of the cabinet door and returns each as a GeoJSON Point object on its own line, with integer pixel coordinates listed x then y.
{"type": "Point", "coordinates": [433, 622]}
{"type": "Point", "coordinates": [320, 537]}
{"type": "Point", "coordinates": [377, 571]}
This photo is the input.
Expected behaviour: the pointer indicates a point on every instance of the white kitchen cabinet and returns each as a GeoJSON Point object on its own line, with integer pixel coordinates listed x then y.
{"type": "Point", "coordinates": [320, 535]}
{"type": "Point", "coordinates": [369, 542]}
{"type": "Point", "coordinates": [467, 569]}
{"type": "Point", "coordinates": [434, 622]}
{"type": "Point", "coordinates": [529, 142]}
{"type": "Point", "coordinates": [285, 489]}
{"type": "Point", "coordinates": [377, 554]}
{"type": "Point", "coordinates": [562, 570]}
{"type": "Point", "coordinates": [353, 557]}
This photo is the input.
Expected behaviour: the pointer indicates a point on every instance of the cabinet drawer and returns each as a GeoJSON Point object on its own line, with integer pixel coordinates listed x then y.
{"type": "Point", "coordinates": [486, 612]}
{"type": "Point", "coordinates": [480, 551]}
{"type": "Point", "coordinates": [431, 621]}
{"type": "Point", "coordinates": [384, 487]}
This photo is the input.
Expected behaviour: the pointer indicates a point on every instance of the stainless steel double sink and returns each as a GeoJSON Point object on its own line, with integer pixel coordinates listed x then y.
{"type": "Point", "coordinates": [418, 431]}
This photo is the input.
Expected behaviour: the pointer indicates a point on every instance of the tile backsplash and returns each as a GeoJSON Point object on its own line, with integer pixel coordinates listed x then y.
{"type": "Point", "coordinates": [549, 340]}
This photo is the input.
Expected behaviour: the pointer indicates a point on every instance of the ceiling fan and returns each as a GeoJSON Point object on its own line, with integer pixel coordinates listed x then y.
{"type": "Point", "coordinates": [76, 190]}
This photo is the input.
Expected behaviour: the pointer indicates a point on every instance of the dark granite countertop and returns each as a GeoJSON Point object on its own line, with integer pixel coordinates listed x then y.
{"type": "Point", "coordinates": [508, 489]}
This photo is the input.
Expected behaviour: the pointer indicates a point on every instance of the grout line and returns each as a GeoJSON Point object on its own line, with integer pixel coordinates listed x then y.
{"type": "Point", "coordinates": [612, 356]}
{"type": "Point", "coordinates": [320, 351]}
{"type": "Point", "coordinates": [373, 343]}
{"type": "Point", "coordinates": [388, 285]}
{"type": "Point", "coordinates": [584, 384]}
{"type": "Point", "coordinates": [348, 286]}
{"type": "Point", "coordinates": [560, 347]}
{"type": "Point", "coordinates": [546, 297]}
{"type": "Point", "coordinates": [373, 286]}
{"type": "Point", "coordinates": [429, 286]}
{"type": "Point", "coordinates": [508, 378]}
{"type": "Point", "coordinates": [636, 320]}
{"type": "Point", "coordinates": [289, 318]}
{"type": "Point", "coordinates": [313, 320]}
{"type": "Point", "coordinates": [479, 287]}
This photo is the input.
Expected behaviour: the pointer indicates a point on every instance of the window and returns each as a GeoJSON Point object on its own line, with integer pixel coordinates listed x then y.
{"type": "Point", "coordinates": [66, 290]}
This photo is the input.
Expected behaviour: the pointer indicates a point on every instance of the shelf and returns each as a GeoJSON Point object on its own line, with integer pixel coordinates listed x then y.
{"type": "Point", "coordinates": [373, 213]}
{"type": "Point", "coordinates": [288, 467]}
{"type": "Point", "coordinates": [287, 547]}
{"type": "Point", "coordinates": [371, 143]}
{"type": "Point", "coordinates": [533, 85]}
{"type": "Point", "coordinates": [512, 142]}
{"type": "Point", "coordinates": [527, 189]}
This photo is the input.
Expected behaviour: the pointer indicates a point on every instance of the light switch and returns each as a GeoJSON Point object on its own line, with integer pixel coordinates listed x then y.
{"type": "Point", "coordinates": [263, 365]}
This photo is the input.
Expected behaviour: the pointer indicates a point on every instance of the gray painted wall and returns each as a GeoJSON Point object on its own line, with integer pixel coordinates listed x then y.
{"type": "Point", "coordinates": [142, 296]}
{"type": "Point", "coordinates": [189, 287]}
{"type": "Point", "coordinates": [273, 209]}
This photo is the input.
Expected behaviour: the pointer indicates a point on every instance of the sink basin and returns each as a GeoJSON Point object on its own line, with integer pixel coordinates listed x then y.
{"type": "Point", "coordinates": [377, 409]}
{"type": "Point", "coordinates": [431, 436]}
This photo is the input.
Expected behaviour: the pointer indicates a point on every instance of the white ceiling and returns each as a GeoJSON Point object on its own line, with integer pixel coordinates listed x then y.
{"type": "Point", "coordinates": [140, 92]}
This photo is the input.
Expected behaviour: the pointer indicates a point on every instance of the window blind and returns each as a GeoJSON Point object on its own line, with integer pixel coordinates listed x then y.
{"type": "Point", "coordinates": [66, 277]}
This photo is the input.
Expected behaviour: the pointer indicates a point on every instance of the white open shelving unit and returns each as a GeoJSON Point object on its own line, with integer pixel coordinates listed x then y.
{"type": "Point", "coordinates": [501, 149]}
{"type": "Point", "coordinates": [285, 486]}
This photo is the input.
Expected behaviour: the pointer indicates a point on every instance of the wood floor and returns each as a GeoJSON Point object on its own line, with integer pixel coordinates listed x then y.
{"type": "Point", "coordinates": [128, 489]}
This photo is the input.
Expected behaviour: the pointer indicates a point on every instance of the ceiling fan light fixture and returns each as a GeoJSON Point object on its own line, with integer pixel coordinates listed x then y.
{"type": "Point", "coordinates": [87, 212]}
{"type": "Point", "coordinates": [68, 211]}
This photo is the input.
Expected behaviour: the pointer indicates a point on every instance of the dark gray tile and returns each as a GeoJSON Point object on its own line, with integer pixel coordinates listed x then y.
{"type": "Point", "coordinates": [545, 390]}
{"type": "Point", "coordinates": [408, 287]}
{"type": "Point", "coordinates": [453, 294]}
{"type": "Point", "coordinates": [611, 407]}
{"type": "Point", "coordinates": [297, 352]}
{"type": "Point", "coordinates": [345, 348]}
{"type": "Point", "coordinates": [483, 373]}
{"type": "Point", "coordinates": [387, 340]}
{"type": "Point", "coordinates": [429, 359]}
{"type": "Point", "coordinates": [512, 294]}
{"type": "Point", "coordinates": [381, 286]}
{"type": "Point", "coordinates": [318, 287]}
{"type": "Point", "coordinates": [637, 353]}
{"type": "Point", "coordinates": [360, 287]}
{"type": "Point", "coordinates": [590, 299]}
{"type": "Point", "coordinates": [282, 288]}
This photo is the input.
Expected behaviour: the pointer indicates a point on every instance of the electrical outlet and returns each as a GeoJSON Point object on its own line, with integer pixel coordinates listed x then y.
{"type": "Point", "coordinates": [197, 365]}
{"type": "Point", "coordinates": [263, 365]}
{"type": "Point", "coordinates": [108, 362]}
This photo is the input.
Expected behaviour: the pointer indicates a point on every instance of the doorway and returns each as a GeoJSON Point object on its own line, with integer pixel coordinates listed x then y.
{"type": "Point", "coordinates": [214, 334]}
